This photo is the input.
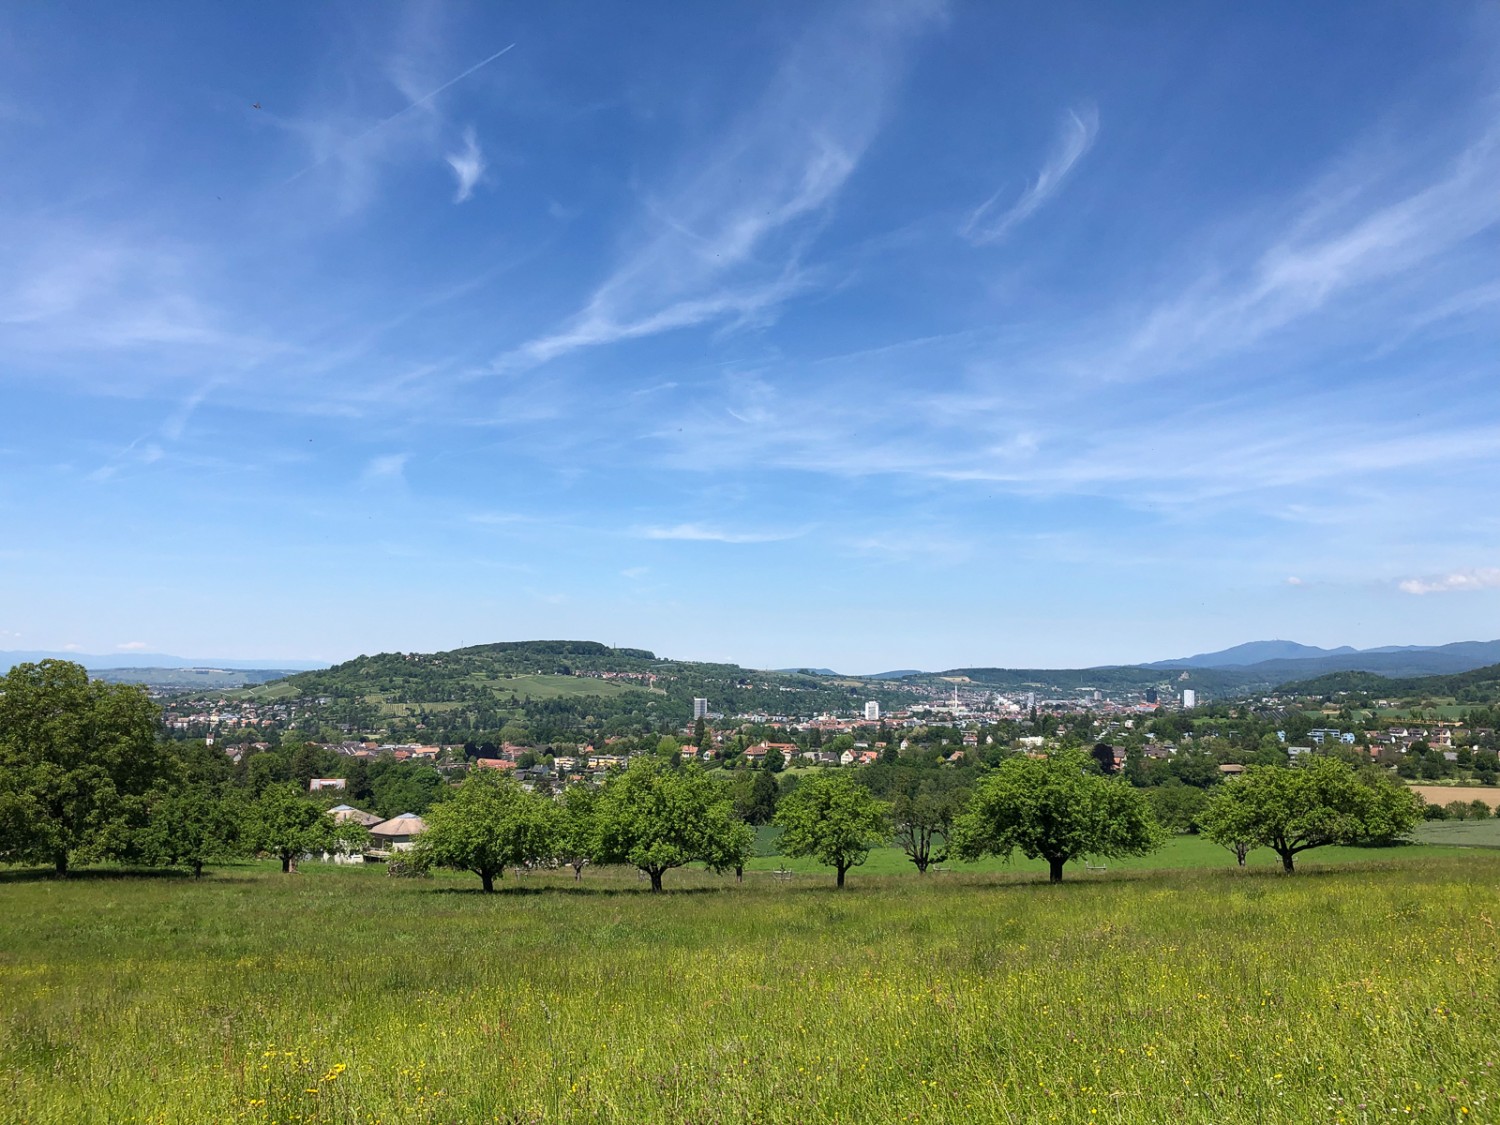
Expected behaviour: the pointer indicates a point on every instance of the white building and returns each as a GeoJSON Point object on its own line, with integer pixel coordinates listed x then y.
{"type": "Point", "coordinates": [1189, 699]}
{"type": "Point", "coordinates": [872, 711]}
{"type": "Point", "coordinates": [700, 709]}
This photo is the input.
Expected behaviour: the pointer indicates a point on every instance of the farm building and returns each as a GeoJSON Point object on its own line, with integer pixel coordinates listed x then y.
{"type": "Point", "coordinates": [398, 833]}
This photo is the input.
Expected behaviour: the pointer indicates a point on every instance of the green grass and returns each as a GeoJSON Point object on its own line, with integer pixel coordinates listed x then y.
{"type": "Point", "coordinates": [1180, 852]}
{"type": "Point", "coordinates": [1461, 833]}
{"type": "Point", "coordinates": [1354, 993]}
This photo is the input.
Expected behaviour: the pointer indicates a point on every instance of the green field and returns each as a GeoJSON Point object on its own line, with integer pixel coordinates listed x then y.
{"type": "Point", "coordinates": [1179, 852]}
{"type": "Point", "coordinates": [1353, 993]}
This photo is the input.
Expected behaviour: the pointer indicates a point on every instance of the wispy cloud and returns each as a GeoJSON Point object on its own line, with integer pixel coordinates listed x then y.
{"type": "Point", "coordinates": [1459, 581]}
{"type": "Point", "coordinates": [1337, 246]}
{"type": "Point", "coordinates": [726, 237]}
{"type": "Point", "coordinates": [132, 646]}
{"type": "Point", "coordinates": [334, 148]}
{"type": "Point", "coordinates": [388, 467]}
{"type": "Point", "coordinates": [468, 167]}
{"type": "Point", "coordinates": [990, 224]}
{"type": "Point", "coordinates": [699, 533]}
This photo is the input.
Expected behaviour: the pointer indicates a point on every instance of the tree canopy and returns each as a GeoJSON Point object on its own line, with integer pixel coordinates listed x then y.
{"type": "Point", "coordinates": [1055, 808]}
{"type": "Point", "coordinates": [285, 824]}
{"type": "Point", "coordinates": [488, 824]}
{"type": "Point", "coordinates": [656, 817]}
{"type": "Point", "coordinates": [77, 758]}
{"type": "Point", "coordinates": [834, 819]}
{"type": "Point", "coordinates": [1320, 801]}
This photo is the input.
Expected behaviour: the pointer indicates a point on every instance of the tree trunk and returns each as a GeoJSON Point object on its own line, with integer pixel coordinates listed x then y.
{"type": "Point", "coordinates": [1055, 867]}
{"type": "Point", "coordinates": [286, 864]}
{"type": "Point", "coordinates": [198, 870]}
{"type": "Point", "coordinates": [487, 881]}
{"type": "Point", "coordinates": [841, 875]}
{"type": "Point", "coordinates": [578, 873]}
{"type": "Point", "coordinates": [1240, 852]}
{"type": "Point", "coordinates": [60, 859]}
{"type": "Point", "coordinates": [921, 864]}
{"type": "Point", "coordinates": [739, 873]}
{"type": "Point", "coordinates": [1286, 862]}
{"type": "Point", "coordinates": [655, 879]}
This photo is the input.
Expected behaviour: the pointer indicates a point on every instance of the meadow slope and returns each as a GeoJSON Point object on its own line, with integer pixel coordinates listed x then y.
{"type": "Point", "coordinates": [1343, 994]}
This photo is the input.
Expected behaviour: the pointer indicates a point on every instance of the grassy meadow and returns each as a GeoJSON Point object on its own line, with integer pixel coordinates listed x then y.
{"type": "Point", "coordinates": [1354, 993]}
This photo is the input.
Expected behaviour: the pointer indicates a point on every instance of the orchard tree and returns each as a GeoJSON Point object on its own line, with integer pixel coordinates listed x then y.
{"type": "Point", "coordinates": [1056, 809]}
{"type": "Point", "coordinates": [834, 819]}
{"type": "Point", "coordinates": [76, 758]}
{"type": "Point", "coordinates": [284, 823]}
{"type": "Point", "coordinates": [923, 823]}
{"type": "Point", "coordinates": [192, 826]}
{"type": "Point", "coordinates": [1319, 801]}
{"type": "Point", "coordinates": [488, 824]}
{"type": "Point", "coordinates": [575, 828]}
{"type": "Point", "coordinates": [655, 817]}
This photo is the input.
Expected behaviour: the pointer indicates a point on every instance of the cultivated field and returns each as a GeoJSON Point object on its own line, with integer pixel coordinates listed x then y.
{"type": "Point", "coordinates": [1442, 794]}
{"type": "Point", "coordinates": [1351, 993]}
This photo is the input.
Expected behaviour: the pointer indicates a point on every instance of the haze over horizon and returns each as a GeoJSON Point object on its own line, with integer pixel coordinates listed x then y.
{"type": "Point", "coordinates": [863, 335]}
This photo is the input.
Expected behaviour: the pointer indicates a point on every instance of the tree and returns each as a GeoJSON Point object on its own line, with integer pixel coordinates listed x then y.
{"type": "Point", "coordinates": [1053, 808]}
{"type": "Point", "coordinates": [575, 832]}
{"type": "Point", "coordinates": [834, 819]}
{"type": "Point", "coordinates": [1320, 801]}
{"type": "Point", "coordinates": [1177, 807]}
{"type": "Point", "coordinates": [286, 824]}
{"type": "Point", "coordinates": [192, 826]}
{"type": "Point", "coordinates": [76, 757]}
{"type": "Point", "coordinates": [655, 817]}
{"type": "Point", "coordinates": [490, 823]}
{"type": "Point", "coordinates": [755, 795]}
{"type": "Point", "coordinates": [924, 818]}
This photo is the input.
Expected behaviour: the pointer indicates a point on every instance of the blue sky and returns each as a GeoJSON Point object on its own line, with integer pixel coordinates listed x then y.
{"type": "Point", "coordinates": [866, 335]}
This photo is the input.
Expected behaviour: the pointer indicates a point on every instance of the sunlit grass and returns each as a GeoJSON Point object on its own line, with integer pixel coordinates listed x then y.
{"type": "Point", "coordinates": [1354, 993]}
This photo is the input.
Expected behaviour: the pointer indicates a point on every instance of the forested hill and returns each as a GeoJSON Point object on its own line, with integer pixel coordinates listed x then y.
{"type": "Point", "coordinates": [1480, 685]}
{"type": "Point", "coordinates": [562, 684]}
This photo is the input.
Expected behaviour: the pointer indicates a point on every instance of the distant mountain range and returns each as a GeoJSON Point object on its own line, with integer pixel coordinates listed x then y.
{"type": "Point", "coordinates": [155, 660]}
{"type": "Point", "coordinates": [1249, 666]}
{"type": "Point", "coordinates": [1279, 661]}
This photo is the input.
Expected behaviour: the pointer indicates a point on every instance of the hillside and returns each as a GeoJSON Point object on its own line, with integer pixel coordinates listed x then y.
{"type": "Point", "coordinates": [554, 684]}
{"type": "Point", "coordinates": [1477, 686]}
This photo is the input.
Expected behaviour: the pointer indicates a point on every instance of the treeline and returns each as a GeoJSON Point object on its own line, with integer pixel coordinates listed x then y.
{"type": "Point", "coordinates": [84, 776]}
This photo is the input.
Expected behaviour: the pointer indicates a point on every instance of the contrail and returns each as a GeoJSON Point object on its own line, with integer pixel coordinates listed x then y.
{"type": "Point", "coordinates": [423, 100]}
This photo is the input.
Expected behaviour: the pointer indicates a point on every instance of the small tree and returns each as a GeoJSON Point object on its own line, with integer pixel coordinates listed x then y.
{"type": "Point", "coordinates": [286, 824]}
{"type": "Point", "coordinates": [834, 819]}
{"type": "Point", "coordinates": [923, 824]}
{"type": "Point", "coordinates": [575, 830]}
{"type": "Point", "coordinates": [1315, 803]}
{"type": "Point", "coordinates": [488, 824]}
{"type": "Point", "coordinates": [655, 816]}
{"type": "Point", "coordinates": [1055, 809]}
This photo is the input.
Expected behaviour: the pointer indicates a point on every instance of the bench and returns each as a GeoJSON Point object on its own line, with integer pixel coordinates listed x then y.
{"type": "Point", "coordinates": [1098, 868]}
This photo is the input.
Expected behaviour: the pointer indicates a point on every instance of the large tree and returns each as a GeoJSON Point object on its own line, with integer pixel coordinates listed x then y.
{"type": "Point", "coordinates": [76, 758]}
{"type": "Point", "coordinates": [1055, 808]}
{"type": "Point", "coordinates": [192, 825]}
{"type": "Point", "coordinates": [655, 816]}
{"type": "Point", "coordinates": [834, 819]}
{"type": "Point", "coordinates": [1316, 802]}
{"type": "Point", "coordinates": [488, 824]}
